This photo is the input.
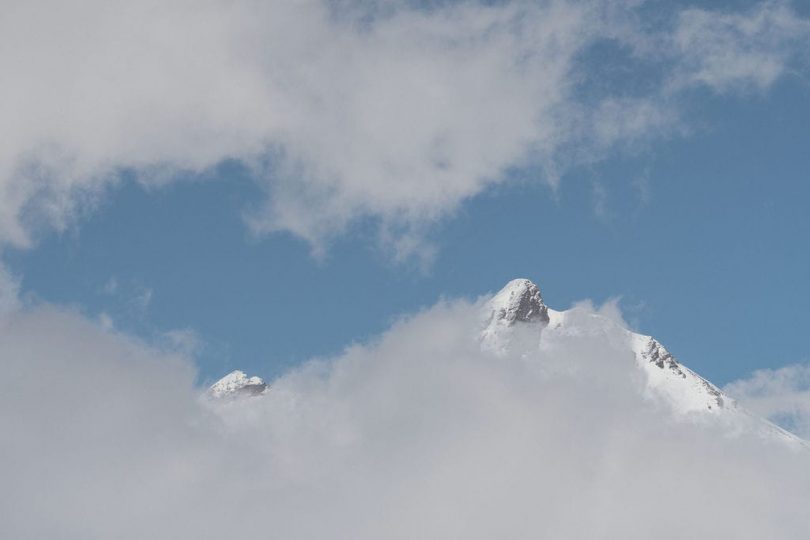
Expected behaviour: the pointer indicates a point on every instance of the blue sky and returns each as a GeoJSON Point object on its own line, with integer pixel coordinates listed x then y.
{"type": "Point", "coordinates": [268, 203]}
{"type": "Point", "coordinates": [702, 237]}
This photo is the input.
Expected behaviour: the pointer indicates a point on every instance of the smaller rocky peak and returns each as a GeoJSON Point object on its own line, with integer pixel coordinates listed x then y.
{"type": "Point", "coordinates": [237, 383]}
{"type": "Point", "coordinates": [519, 301]}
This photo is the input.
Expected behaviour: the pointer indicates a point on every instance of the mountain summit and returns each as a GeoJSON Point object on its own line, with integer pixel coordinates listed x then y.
{"type": "Point", "coordinates": [237, 383]}
{"type": "Point", "coordinates": [519, 301]}
{"type": "Point", "coordinates": [517, 319]}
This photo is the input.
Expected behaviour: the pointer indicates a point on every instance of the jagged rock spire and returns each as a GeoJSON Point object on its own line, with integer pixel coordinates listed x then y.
{"type": "Point", "coordinates": [519, 301]}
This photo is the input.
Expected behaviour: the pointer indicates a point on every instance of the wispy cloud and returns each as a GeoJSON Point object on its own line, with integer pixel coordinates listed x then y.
{"type": "Point", "coordinates": [739, 51]}
{"type": "Point", "coordinates": [184, 341]}
{"type": "Point", "coordinates": [343, 111]}
{"type": "Point", "coordinates": [128, 298]}
{"type": "Point", "coordinates": [782, 395]}
{"type": "Point", "coordinates": [110, 286]}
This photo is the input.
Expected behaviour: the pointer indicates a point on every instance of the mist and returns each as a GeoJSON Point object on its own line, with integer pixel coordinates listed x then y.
{"type": "Point", "coordinates": [420, 433]}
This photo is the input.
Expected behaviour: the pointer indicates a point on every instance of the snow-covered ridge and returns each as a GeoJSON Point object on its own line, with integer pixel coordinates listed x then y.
{"type": "Point", "coordinates": [518, 312]}
{"type": "Point", "coordinates": [681, 386]}
{"type": "Point", "coordinates": [237, 383]}
{"type": "Point", "coordinates": [668, 382]}
{"type": "Point", "coordinates": [521, 303]}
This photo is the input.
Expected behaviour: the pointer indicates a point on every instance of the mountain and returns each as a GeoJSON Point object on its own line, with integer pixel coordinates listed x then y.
{"type": "Point", "coordinates": [520, 303]}
{"type": "Point", "coordinates": [237, 383]}
{"type": "Point", "coordinates": [517, 311]}
{"type": "Point", "coordinates": [667, 381]}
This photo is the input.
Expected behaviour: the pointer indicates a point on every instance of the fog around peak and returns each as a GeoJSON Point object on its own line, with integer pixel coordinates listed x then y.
{"type": "Point", "coordinates": [419, 433]}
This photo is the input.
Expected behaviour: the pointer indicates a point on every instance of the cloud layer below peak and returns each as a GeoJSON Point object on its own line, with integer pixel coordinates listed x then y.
{"type": "Point", "coordinates": [420, 433]}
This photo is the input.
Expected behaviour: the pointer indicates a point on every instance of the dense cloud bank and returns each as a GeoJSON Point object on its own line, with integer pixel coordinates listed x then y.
{"type": "Point", "coordinates": [419, 434]}
{"type": "Point", "coordinates": [385, 111]}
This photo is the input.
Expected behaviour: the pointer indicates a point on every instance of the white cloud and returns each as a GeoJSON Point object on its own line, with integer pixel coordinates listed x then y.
{"type": "Point", "coordinates": [184, 341]}
{"type": "Point", "coordinates": [782, 395]}
{"type": "Point", "coordinates": [733, 51]}
{"type": "Point", "coordinates": [344, 111]}
{"type": "Point", "coordinates": [9, 292]}
{"type": "Point", "coordinates": [419, 434]}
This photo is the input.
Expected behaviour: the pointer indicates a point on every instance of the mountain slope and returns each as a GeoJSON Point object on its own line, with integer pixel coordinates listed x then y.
{"type": "Point", "coordinates": [667, 382]}
{"type": "Point", "coordinates": [517, 316]}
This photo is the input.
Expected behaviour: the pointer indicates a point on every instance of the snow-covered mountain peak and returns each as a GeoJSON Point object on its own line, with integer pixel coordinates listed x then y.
{"type": "Point", "coordinates": [516, 322]}
{"type": "Point", "coordinates": [237, 383]}
{"type": "Point", "coordinates": [667, 381]}
{"type": "Point", "coordinates": [519, 301]}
